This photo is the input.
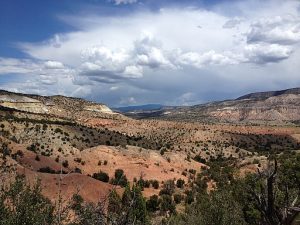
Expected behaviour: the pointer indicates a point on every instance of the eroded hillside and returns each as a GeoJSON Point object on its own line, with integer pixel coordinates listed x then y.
{"type": "Point", "coordinates": [278, 107]}
{"type": "Point", "coordinates": [80, 147]}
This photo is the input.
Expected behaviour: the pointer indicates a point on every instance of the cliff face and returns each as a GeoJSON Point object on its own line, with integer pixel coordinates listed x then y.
{"type": "Point", "coordinates": [98, 108]}
{"type": "Point", "coordinates": [32, 107]}
{"type": "Point", "coordinates": [22, 103]}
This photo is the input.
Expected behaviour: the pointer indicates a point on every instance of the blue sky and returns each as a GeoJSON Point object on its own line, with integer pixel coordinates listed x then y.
{"type": "Point", "coordinates": [128, 52]}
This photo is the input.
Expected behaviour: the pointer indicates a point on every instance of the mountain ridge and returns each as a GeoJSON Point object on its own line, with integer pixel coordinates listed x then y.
{"type": "Point", "coordinates": [273, 106]}
{"type": "Point", "coordinates": [268, 94]}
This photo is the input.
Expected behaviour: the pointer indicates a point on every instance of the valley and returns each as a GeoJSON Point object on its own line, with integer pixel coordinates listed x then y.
{"type": "Point", "coordinates": [74, 146]}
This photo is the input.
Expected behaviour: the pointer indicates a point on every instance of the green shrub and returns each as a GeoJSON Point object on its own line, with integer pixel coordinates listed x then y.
{"type": "Point", "coordinates": [120, 178]}
{"type": "Point", "coordinates": [102, 176]}
{"type": "Point", "coordinates": [177, 198]}
{"type": "Point", "coordinates": [180, 183]}
{"type": "Point", "coordinates": [152, 203]}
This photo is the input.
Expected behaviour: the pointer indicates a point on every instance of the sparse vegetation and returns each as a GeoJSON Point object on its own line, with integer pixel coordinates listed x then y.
{"type": "Point", "coordinates": [226, 190]}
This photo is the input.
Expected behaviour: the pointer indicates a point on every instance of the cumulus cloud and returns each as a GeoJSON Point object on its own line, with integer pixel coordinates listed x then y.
{"type": "Point", "coordinates": [266, 53]}
{"type": "Point", "coordinates": [278, 30]}
{"type": "Point", "coordinates": [112, 50]}
{"type": "Point", "coordinates": [205, 59]}
{"type": "Point", "coordinates": [151, 54]}
{"type": "Point", "coordinates": [44, 72]}
{"type": "Point", "coordinates": [105, 65]}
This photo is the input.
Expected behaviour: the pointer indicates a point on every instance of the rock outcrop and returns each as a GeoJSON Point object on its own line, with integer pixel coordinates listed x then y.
{"type": "Point", "coordinates": [22, 103]}
{"type": "Point", "coordinates": [58, 105]}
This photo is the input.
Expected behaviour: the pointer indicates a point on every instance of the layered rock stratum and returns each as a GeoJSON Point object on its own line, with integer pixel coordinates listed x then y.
{"type": "Point", "coordinates": [67, 107]}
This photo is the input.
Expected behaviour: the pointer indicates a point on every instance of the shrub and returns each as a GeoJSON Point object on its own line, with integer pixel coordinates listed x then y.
{"type": "Point", "coordinates": [180, 183]}
{"type": "Point", "coordinates": [199, 159]}
{"type": "Point", "coordinates": [58, 130]}
{"type": "Point", "coordinates": [155, 184]}
{"type": "Point", "coordinates": [177, 198]}
{"type": "Point", "coordinates": [77, 170]}
{"type": "Point", "coordinates": [147, 184]}
{"type": "Point", "coordinates": [189, 197]}
{"type": "Point", "coordinates": [120, 178]}
{"type": "Point", "coordinates": [167, 204]}
{"type": "Point", "coordinates": [78, 160]}
{"type": "Point", "coordinates": [46, 169]}
{"type": "Point", "coordinates": [153, 203]}
{"type": "Point", "coordinates": [102, 176]}
{"type": "Point", "coordinates": [168, 188]}
{"type": "Point", "coordinates": [32, 148]}
{"type": "Point", "coordinates": [65, 163]}
{"type": "Point", "coordinates": [77, 202]}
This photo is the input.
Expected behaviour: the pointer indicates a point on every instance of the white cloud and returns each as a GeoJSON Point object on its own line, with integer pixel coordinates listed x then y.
{"type": "Point", "coordinates": [279, 30]}
{"type": "Point", "coordinates": [133, 71]}
{"type": "Point", "coordinates": [154, 53]}
{"type": "Point", "coordinates": [109, 49]}
{"type": "Point", "coordinates": [54, 65]}
{"type": "Point", "coordinates": [118, 2]}
{"type": "Point", "coordinates": [105, 65]}
{"type": "Point", "coordinates": [18, 66]}
{"type": "Point", "coordinates": [44, 73]}
{"type": "Point", "coordinates": [149, 52]}
{"type": "Point", "coordinates": [265, 53]}
{"type": "Point", "coordinates": [205, 59]}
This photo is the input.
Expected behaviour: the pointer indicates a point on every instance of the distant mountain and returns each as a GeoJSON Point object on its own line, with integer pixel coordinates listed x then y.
{"type": "Point", "coordinates": [274, 106]}
{"type": "Point", "coordinates": [147, 107]}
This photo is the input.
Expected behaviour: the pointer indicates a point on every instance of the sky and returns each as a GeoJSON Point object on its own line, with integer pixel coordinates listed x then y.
{"type": "Point", "coordinates": [133, 52]}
